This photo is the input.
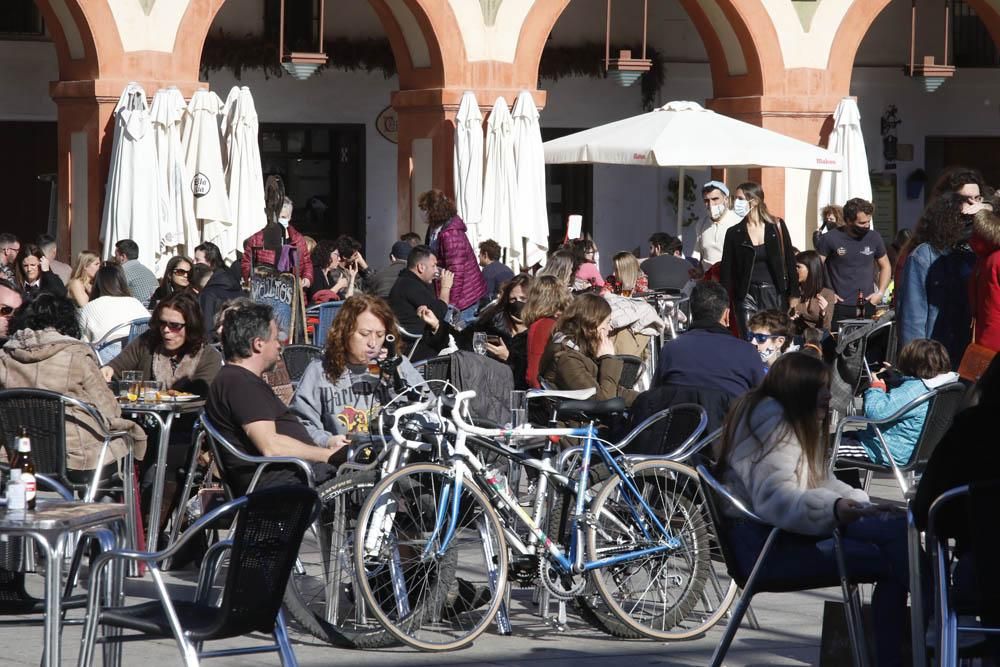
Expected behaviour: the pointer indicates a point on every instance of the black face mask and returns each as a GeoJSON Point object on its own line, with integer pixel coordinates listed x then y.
{"type": "Point", "coordinates": [515, 308]}
{"type": "Point", "coordinates": [858, 232]}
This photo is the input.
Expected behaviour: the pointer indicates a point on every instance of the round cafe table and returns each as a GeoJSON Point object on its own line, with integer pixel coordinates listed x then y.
{"type": "Point", "coordinates": [163, 412]}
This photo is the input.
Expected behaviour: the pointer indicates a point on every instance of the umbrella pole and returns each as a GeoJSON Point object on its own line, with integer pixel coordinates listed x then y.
{"type": "Point", "coordinates": [680, 201]}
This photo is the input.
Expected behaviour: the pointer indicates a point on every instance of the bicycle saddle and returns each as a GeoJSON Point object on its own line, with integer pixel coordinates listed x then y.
{"type": "Point", "coordinates": [590, 409]}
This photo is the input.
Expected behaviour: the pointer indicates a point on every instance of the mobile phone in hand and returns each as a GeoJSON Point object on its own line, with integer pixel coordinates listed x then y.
{"type": "Point", "coordinates": [493, 340]}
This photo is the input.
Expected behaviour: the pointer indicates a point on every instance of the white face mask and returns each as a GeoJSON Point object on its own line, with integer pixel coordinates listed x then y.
{"type": "Point", "coordinates": [284, 222]}
{"type": "Point", "coordinates": [741, 207]}
{"type": "Point", "coordinates": [717, 211]}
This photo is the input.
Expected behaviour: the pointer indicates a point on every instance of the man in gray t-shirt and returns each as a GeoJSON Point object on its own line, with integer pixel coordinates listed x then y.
{"type": "Point", "coordinates": [852, 254]}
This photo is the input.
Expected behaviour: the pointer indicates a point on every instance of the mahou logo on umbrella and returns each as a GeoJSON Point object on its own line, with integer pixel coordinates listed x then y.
{"type": "Point", "coordinates": [200, 185]}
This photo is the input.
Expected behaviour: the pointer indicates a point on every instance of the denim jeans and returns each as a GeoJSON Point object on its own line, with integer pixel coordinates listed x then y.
{"type": "Point", "coordinates": [874, 551]}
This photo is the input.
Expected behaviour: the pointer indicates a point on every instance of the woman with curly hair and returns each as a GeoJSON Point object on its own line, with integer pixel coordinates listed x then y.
{"type": "Point", "coordinates": [447, 238]}
{"type": "Point", "coordinates": [934, 301]}
{"type": "Point", "coordinates": [338, 396]}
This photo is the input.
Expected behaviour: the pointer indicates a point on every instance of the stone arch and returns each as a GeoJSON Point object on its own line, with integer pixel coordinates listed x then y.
{"type": "Point", "coordinates": [77, 50]}
{"type": "Point", "coordinates": [738, 35]}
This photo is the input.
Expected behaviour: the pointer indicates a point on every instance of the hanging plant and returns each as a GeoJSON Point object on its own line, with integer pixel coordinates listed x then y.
{"type": "Point", "coordinates": [225, 51]}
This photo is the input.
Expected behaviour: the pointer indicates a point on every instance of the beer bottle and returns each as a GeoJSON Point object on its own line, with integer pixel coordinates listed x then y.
{"type": "Point", "coordinates": [22, 461]}
{"type": "Point", "coordinates": [861, 305]}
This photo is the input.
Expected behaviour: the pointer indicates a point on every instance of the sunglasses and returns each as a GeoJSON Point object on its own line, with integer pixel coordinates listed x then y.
{"type": "Point", "coordinates": [6, 311]}
{"type": "Point", "coordinates": [181, 272]}
{"type": "Point", "coordinates": [172, 326]}
{"type": "Point", "coordinates": [759, 337]}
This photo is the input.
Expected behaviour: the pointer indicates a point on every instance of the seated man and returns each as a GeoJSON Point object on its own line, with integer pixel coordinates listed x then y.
{"type": "Point", "coordinates": [705, 365]}
{"type": "Point", "coordinates": [246, 411]}
{"type": "Point", "coordinates": [414, 290]}
{"type": "Point", "coordinates": [771, 333]}
{"type": "Point", "coordinates": [666, 268]}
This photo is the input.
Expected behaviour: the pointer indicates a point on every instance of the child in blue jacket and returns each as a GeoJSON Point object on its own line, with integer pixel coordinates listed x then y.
{"type": "Point", "coordinates": [923, 364]}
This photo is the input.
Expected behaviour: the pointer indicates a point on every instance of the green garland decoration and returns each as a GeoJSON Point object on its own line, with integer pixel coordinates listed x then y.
{"type": "Point", "coordinates": [373, 54]}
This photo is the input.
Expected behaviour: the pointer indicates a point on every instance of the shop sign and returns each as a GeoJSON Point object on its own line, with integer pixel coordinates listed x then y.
{"type": "Point", "coordinates": [387, 125]}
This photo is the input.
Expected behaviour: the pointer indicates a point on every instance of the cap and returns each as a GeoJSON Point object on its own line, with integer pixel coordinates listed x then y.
{"type": "Point", "coordinates": [401, 249]}
{"type": "Point", "coordinates": [716, 185]}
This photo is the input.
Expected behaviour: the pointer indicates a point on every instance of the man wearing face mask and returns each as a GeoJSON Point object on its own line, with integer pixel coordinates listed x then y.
{"type": "Point", "coordinates": [712, 229]}
{"type": "Point", "coordinates": [851, 255]}
{"type": "Point", "coordinates": [770, 331]}
{"type": "Point", "coordinates": [266, 247]}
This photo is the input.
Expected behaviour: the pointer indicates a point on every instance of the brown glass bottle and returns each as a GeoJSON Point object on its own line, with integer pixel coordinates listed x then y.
{"type": "Point", "coordinates": [22, 460]}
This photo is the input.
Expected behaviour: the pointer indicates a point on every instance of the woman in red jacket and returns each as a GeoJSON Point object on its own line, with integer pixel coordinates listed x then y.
{"type": "Point", "coordinates": [547, 299]}
{"type": "Point", "coordinates": [985, 282]}
{"type": "Point", "coordinates": [446, 237]}
{"type": "Point", "coordinates": [267, 243]}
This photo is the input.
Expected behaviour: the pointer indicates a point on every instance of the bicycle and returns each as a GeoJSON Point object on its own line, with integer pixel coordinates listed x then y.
{"type": "Point", "coordinates": [426, 526]}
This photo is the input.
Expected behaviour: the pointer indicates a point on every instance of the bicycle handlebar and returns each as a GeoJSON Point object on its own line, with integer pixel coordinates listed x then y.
{"type": "Point", "coordinates": [410, 409]}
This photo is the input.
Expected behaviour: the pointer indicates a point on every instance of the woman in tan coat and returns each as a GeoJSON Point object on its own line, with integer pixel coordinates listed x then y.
{"type": "Point", "coordinates": [45, 352]}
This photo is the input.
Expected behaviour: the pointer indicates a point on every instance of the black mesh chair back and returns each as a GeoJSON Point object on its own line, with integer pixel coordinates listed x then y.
{"type": "Point", "coordinates": [214, 440]}
{"type": "Point", "coordinates": [43, 414]}
{"type": "Point", "coordinates": [667, 431]}
{"type": "Point", "coordinates": [266, 542]}
{"type": "Point", "coordinates": [940, 414]}
{"type": "Point", "coordinates": [298, 357]}
{"type": "Point", "coordinates": [631, 368]}
{"type": "Point", "coordinates": [435, 368]}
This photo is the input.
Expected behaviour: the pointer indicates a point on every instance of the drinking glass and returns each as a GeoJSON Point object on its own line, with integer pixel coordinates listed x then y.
{"type": "Point", "coordinates": [479, 342]}
{"type": "Point", "coordinates": [151, 391]}
{"type": "Point", "coordinates": [131, 385]}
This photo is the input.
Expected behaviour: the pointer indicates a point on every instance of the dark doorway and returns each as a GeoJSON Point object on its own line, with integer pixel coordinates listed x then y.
{"type": "Point", "coordinates": [27, 176]}
{"type": "Point", "coordinates": [324, 171]}
{"type": "Point", "coordinates": [569, 189]}
{"type": "Point", "coordinates": [982, 153]}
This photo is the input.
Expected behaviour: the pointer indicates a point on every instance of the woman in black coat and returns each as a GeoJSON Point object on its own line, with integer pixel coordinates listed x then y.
{"type": "Point", "coordinates": [31, 268]}
{"type": "Point", "coordinates": [758, 262]}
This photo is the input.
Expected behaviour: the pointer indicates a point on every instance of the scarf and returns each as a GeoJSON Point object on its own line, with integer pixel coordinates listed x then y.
{"type": "Point", "coordinates": [166, 372]}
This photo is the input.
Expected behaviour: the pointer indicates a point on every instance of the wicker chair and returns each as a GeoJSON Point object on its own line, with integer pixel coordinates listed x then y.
{"type": "Point", "coordinates": [297, 358]}
{"type": "Point", "coordinates": [269, 529]}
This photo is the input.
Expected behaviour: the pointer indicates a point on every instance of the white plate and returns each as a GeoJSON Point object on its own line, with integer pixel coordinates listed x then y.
{"type": "Point", "coordinates": [170, 399]}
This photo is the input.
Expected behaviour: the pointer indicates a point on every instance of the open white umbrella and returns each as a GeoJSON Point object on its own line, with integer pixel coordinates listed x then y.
{"type": "Point", "coordinates": [244, 177]}
{"type": "Point", "coordinates": [202, 142]}
{"type": "Point", "coordinates": [530, 216]}
{"type": "Point", "coordinates": [469, 164]}
{"type": "Point", "coordinates": [848, 142]}
{"type": "Point", "coordinates": [687, 136]}
{"type": "Point", "coordinates": [133, 205]}
{"type": "Point", "coordinates": [500, 184]}
{"type": "Point", "coordinates": [167, 113]}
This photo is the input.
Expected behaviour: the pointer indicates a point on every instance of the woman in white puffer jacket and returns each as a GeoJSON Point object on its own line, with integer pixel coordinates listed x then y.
{"type": "Point", "coordinates": [774, 458]}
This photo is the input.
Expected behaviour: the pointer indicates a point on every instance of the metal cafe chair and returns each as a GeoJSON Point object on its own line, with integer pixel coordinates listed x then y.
{"type": "Point", "coordinates": [326, 312]}
{"type": "Point", "coordinates": [297, 358]}
{"type": "Point", "coordinates": [269, 527]}
{"type": "Point", "coordinates": [111, 344]}
{"type": "Point", "coordinates": [757, 581]}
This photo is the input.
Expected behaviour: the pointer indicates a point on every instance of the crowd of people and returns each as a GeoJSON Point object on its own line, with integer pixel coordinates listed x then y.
{"type": "Point", "coordinates": [755, 352]}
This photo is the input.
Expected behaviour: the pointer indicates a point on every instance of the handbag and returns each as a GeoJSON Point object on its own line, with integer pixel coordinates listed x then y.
{"type": "Point", "coordinates": [975, 361]}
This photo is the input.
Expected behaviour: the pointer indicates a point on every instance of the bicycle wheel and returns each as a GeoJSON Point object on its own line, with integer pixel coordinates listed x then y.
{"type": "Point", "coordinates": [430, 599]}
{"type": "Point", "coordinates": [673, 595]}
{"type": "Point", "coordinates": [322, 594]}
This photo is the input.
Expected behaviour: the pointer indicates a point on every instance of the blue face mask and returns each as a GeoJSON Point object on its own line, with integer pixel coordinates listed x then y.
{"type": "Point", "coordinates": [741, 207]}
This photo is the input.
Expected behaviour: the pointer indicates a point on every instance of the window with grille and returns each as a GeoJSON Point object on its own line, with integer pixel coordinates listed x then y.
{"type": "Point", "coordinates": [972, 43]}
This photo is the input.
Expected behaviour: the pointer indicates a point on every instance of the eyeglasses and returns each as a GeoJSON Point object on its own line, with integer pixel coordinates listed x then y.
{"type": "Point", "coordinates": [181, 272]}
{"type": "Point", "coordinates": [975, 199]}
{"type": "Point", "coordinates": [6, 311]}
{"type": "Point", "coordinates": [172, 326]}
{"type": "Point", "coordinates": [759, 337]}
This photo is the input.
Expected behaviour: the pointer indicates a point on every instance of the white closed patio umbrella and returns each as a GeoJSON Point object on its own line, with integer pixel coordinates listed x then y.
{"type": "Point", "coordinates": [202, 140]}
{"type": "Point", "coordinates": [848, 142]}
{"type": "Point", "coordinates": [167, 113]}
{"type": "Point", "coordinates": [531, 219]}
{"type": "Point", "coordinates": [468, 164]}
{"type": "Point", "coordinates": [244, 176]}
{"type": "Point", "coordinates": [687, 136]}
{"type": "Point", "coordinates": [500, 183]}
{"type": "Point", "coordinates": [133, 204]}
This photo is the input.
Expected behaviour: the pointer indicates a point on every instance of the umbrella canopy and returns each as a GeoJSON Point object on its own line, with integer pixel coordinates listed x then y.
{"type": "Point", "coordinates": [133, 205]}
{"type": "Point", "coordinates": [531, 215]}
{"type": "Point", "coordinates": [683, 134]}
{"type": "Point", "coordinates": [200, 135]}
{"type": "Point", "coordinates": [500, 185]}
{"type": "Point", "coordinates": [469, 164]}
{"type": "Point", "coordinates": [244, 177]}
{"type": "Point", "coordinates": [167, 113]}
{"type": "Point", "coordinates": [848, 142]}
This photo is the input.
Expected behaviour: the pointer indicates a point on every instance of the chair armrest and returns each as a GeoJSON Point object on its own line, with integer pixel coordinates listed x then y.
{"type": "Point", "coordinates": [264, 461]}
{"type": "Point", "coordinates": [209, 567]}
{"type": "Point", "coordinates": [724, 493]}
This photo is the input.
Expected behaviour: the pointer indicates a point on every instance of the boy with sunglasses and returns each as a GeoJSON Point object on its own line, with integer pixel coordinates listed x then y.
{"type": "Point", "coordinates": [10, 301]}
{"type": "Point", "coordinates": [770, 331]}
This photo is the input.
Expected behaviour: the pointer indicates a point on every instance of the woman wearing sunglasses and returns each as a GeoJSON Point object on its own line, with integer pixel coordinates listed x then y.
{"type": "Point", "coordinates": [175, 279]}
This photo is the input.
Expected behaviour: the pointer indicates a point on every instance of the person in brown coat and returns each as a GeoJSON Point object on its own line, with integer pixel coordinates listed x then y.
{"type": "Point", "coordinates": [45, 352]}
{"type": "Point", "coordinates": [580, 354]}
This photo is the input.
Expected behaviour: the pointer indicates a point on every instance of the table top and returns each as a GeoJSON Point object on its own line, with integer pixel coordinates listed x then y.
{"type": "Point", "coordinates": [163, 406]}
{"type": "Point", "coordinates": [61, 515]}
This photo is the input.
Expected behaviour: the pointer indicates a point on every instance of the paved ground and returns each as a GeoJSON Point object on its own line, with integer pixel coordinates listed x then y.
{"type": "Point", "coordinates": [790, 635]}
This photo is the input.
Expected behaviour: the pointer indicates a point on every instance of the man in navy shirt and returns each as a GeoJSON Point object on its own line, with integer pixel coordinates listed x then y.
{"type": "Point", "coordinates": [851, 254]}
{"type": "Point", "coordinates": [494, 273]}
